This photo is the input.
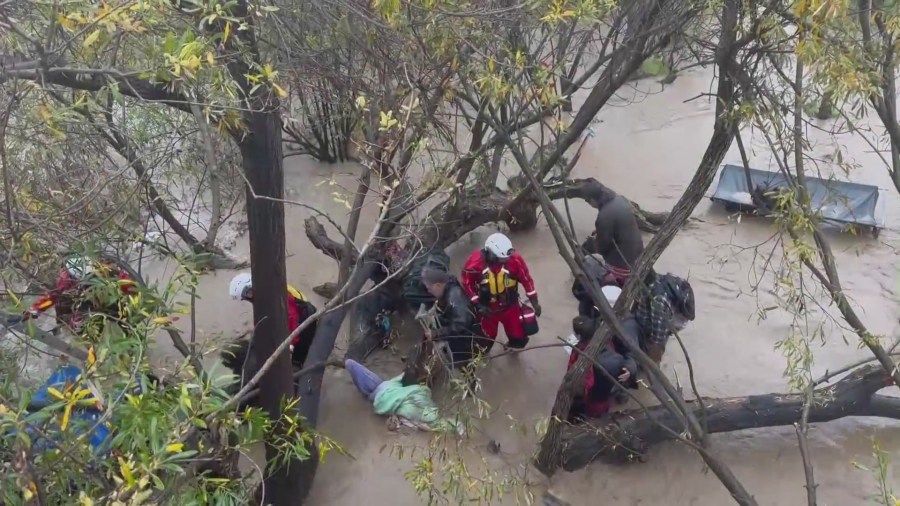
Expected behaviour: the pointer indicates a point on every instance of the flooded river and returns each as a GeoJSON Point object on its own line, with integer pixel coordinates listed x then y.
{"type": "Point", "coordinates": [647, 145]}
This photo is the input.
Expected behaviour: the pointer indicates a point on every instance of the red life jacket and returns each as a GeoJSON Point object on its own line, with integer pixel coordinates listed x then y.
{"type": "Point", "coordinates": [592, 408]}
{"type": "Point", "coordinates": [67, 286]}
{"type": "Point", "coordinates": [496, 284]}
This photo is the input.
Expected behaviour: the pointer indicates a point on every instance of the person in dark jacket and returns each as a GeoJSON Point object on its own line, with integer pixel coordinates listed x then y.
{"type": "Point", "coordinates": [616, 234]}
{"type": "Point", "coordinates": [595, 268]}
{"type": "Point", "coordinates": [458, 326]}
{"type": "Point", "coordinates": [597, 396]}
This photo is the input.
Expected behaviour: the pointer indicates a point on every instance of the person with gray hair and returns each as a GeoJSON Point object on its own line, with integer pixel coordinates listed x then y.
{"type": "Point", "coordinates": [458, 326]}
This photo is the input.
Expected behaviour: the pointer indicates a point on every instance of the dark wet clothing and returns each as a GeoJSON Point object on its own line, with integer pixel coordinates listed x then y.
{"type": "Point", "coordinates": [597, 398]}
{"type": "Point", "coordinates": [595, 268]}
{"type": "Point", "coordinates": [617, 236]}
{"type": "Point", "coordinates": [459, 328]}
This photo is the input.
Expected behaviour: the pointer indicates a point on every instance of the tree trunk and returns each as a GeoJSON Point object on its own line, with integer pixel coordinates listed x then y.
{"type": "Point", "coordinates": [262, 162]}
{"type": "Point", "coordinates": [310, 390]}
{"type": "Point", "coordinates": [625, 435]}
{"type": "Point", "coordinates": [212, 169]}
{"type": "Point", "coordinates": [648, 221]}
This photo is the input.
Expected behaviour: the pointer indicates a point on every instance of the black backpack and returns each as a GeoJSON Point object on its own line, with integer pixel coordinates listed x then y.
{"type": "Point", "coordinates": [679, 292]}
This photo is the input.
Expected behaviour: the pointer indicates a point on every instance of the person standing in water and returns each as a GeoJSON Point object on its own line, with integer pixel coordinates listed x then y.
{"type": "Point", "coordinates": [664, 309]}
{"type": "Point", "coordinates": [616, 236]}
{"type": "Point", "coordinates": [491, 278]}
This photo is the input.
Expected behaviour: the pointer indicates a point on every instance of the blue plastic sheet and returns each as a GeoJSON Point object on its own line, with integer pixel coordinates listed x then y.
{"type": "Point", "coordinates": [836, 201]}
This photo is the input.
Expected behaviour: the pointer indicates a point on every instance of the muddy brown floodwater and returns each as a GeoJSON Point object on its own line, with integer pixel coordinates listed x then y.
{"type": "Point", "coordinates": [647, 144]}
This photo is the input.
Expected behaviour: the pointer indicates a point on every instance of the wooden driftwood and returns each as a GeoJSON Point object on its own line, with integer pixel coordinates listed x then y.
{"type": "Point", "coordinates": [625, 435]}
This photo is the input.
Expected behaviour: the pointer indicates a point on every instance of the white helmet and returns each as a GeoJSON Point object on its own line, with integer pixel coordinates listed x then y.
{"type": "Point", "coordinates": [499, 245]}
{"type": "Point", "coordinates": [611, 293]}
{"type": "Point", "coordinates": [78, 267]}
{"type": "Point", "coordinates": [239, 286]}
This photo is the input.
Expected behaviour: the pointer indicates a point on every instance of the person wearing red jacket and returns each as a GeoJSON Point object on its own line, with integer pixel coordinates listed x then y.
{"type": "Point", "coordinates": [491, 278]}
{"type": "Point", "coordinates": [298, 310]}
{"type": "Point", "coordinates": [69, 296]}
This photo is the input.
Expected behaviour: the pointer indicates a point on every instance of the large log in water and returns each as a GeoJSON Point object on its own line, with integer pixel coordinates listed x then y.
{"type": "Point", "coordinates": [629, 434]}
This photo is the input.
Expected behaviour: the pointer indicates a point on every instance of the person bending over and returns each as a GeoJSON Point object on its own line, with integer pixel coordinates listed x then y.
{"type": "Point", "coordinates": [616, 234]}
{"type": "Point", "coordinates": [298, 309]}
{"type": "Point", "coordinates": [458, 326]}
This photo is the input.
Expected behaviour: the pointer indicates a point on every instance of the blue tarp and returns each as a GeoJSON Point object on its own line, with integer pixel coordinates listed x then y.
{"type": "Point", "coordinates": [836, 201]}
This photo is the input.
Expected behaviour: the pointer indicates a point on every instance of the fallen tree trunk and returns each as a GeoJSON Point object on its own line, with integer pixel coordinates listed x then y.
{"type": "Point", "coordinates": [629, 434]}
{"type": "Point", "coordinates": [317, 235]}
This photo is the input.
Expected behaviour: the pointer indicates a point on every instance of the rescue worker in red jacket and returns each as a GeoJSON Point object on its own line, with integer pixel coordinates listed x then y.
{"type": "Point", "coordinates": [598, 395]}
{"type": "Point", "coordinates": [491, 278]}
{"type": "Point", "coordinates": [71, 298]}
{"type": "Point", "coordinates": [298, 309]}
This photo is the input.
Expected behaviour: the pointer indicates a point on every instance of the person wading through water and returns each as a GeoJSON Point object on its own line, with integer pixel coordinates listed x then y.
{"type": "Point", "coordinates": [298, 309]}
{"type": "Point", "coordinates": [491, 278]}
{"type": "Point", "coordinates": [598, 394]}
{"type": "Point", "coordinates": [616, 236]}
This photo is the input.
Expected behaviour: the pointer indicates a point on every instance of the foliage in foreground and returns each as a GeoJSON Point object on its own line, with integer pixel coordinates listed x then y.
{"type": "Point", "coordinates": [170, 443]}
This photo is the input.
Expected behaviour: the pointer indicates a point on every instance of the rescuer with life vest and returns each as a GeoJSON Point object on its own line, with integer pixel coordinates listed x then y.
{"type": "Point", "coordinates": [491, 278]}
{"type": "Point", "coordinates": [298, 309]}
{"type": "Point", "coordinates": [72, 296]}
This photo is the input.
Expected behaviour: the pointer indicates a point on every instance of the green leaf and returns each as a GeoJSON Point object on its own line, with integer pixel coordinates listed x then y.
{"type": "Point", "coordinates": [91, 39]}
{"type": "Point", "coordinates": [170, 44]}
